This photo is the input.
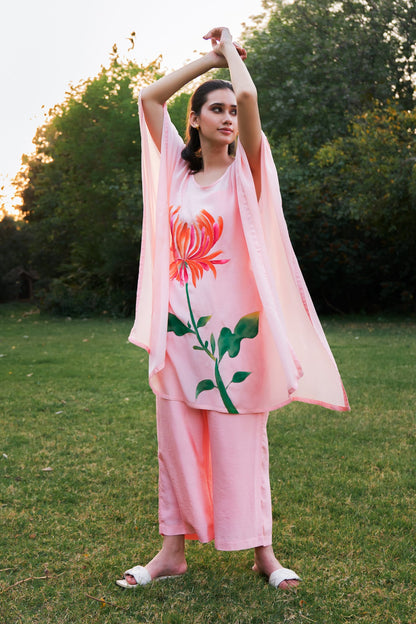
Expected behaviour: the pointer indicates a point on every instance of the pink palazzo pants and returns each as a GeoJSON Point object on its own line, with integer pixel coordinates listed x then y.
{"type": "Point", "coordinates": [213, 476]}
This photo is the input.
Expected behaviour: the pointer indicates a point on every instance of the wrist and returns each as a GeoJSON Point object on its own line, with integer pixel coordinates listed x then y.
{"type": "Point", "coordinates": [228, 45]}
{"type": "Point", "coordinates": [211, 60]}
{"type": "Point", "coordinates": [229, 52]}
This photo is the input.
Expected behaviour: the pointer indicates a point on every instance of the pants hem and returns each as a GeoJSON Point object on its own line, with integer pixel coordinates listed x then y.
{"type": "Point", "coordinates": [254, 542]}
{"type": "Point", "coordinates": [223, 545]}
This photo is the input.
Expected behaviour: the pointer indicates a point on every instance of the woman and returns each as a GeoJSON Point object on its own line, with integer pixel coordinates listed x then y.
{"type": "Point", "coordinates": [218, 271]}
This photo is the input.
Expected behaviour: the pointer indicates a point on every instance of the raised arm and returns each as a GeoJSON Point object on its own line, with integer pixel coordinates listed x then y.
{"type": "Point", "coordinates": [154, 96]}
{"type": "Point", "coordinates": [249, 125]}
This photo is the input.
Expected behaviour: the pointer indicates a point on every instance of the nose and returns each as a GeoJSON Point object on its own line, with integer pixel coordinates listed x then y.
{"type": "Point", "coordinates": [227, 118]}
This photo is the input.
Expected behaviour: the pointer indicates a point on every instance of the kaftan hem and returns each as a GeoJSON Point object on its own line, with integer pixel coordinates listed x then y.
{"type": "Point", "coordinates": [274, 406]}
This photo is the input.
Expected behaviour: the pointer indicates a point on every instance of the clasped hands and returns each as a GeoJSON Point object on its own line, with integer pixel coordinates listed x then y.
{"type": "Point", "coordinates": [220, 37]}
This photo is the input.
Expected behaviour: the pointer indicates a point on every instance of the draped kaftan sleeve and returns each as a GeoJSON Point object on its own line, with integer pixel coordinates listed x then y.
{"type": "Point", "coordinates": [311, 372]}
{"type": "Point", "coordinates": [149, 329]}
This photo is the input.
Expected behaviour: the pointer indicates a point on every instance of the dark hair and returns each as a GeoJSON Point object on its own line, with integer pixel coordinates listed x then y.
{"type": "Point", "coordinates": [192, 150]}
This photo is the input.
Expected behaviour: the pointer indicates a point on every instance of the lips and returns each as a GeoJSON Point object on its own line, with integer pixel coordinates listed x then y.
{"type": "Point", "coordinates": [226, 130]}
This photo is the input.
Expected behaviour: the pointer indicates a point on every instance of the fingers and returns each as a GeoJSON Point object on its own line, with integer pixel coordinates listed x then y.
{"type": "Point", "coordinates": [219, 37]}
{"type": "Point", "coordinates": [217, 33]}
{"type": "Point", "coordinates": [241, 51]}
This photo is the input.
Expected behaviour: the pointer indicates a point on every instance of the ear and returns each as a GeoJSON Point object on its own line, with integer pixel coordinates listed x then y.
{"type": "Point", "coordinates": [193, 120]}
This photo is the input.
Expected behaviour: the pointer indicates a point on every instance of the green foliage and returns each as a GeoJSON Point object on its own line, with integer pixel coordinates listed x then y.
{"type": "Point", "coordinates": [369, 174]}
{"type": "Point", "coordinates": [82, 193]}
{"type": "Point", "coordinates": [317, 62]}
{"type": "Point", "coordinates": [356, 228]}
{"type": "Point", "coordinates": [178, 110]}
{"type": "Point", "coordinates": [15, 238]}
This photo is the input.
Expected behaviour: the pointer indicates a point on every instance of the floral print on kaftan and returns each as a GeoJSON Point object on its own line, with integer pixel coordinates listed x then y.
{"type": "Point", "coordinates": [217, 342]}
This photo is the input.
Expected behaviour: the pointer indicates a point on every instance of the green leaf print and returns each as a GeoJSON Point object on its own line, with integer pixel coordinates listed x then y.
{"type": "Point", "coordinates": [228, 342]}
{"type": "Point", "coordinates": [240, 376]}
{"type": "Point", "coordinates": [176, 326]}
{"type": "Point", "coordinates": [247, 327]}
{"type": "Point", "coordinates": [205, 384]}
{"type": "Point", "coordinates": [203, 321]}
{"type": "Point", "coordinates": [212, 344]}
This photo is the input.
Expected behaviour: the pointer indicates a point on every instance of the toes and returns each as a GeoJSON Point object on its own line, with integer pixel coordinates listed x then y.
{"type": "Point", "coordinates": [288, 584]}
{"type": "Point", "coordinates": [130, 579]}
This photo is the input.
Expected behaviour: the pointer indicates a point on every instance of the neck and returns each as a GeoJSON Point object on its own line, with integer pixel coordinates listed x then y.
{"type": "Point", "coordinates": [215, 157]}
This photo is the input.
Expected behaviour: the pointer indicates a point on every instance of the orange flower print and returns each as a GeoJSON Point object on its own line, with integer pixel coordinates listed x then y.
{"type": "Point", "coordinates": [192, 245]}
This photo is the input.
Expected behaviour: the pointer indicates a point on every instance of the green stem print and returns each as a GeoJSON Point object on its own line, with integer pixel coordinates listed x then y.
{"type": "Point", "coordinates": [228, 342]}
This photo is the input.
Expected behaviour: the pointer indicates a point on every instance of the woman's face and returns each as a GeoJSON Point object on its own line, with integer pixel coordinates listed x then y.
{"type": "Point", "coordinates": [217, 120]}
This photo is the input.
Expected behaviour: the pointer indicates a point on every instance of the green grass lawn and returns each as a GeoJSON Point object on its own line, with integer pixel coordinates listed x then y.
{"type": "Point", "coordinates": [79, 486]}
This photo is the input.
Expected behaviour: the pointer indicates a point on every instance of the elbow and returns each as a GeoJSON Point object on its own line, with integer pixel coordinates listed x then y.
{"type": "Point", "coordinates": [247, 96]}
{"type": "Point", "coordinates": [150, 96]}
{"type": "Point", "coordinates": [144, 94]}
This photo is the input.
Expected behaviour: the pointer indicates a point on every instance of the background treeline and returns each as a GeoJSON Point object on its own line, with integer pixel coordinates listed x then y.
{"type": "Point", "coordinates": [336, 84]}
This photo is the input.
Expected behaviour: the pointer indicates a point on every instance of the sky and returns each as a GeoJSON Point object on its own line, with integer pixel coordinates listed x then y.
{"type": "Point", "coordinates": [47, 45]}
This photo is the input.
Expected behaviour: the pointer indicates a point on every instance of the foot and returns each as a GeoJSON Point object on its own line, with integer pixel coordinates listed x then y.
{"type": "Point", "coordinates": [170, 561]}
{"type": "Point", "coordinates": [266, 563]}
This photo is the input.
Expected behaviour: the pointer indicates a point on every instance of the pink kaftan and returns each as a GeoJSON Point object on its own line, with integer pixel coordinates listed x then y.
{"type": "Point", "coordinates": [218, 266]}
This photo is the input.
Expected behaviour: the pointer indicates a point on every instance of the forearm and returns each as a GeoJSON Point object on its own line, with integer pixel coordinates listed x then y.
{"type": "Point", "coordinates": [249, 124]}
{"type": "Point", "coordinates": [164, 88]}
{"type": "Point", "coordinates": [242, 82]}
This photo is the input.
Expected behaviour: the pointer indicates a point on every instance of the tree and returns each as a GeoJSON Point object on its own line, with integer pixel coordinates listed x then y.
{"type": "Point", "coordinates": [356, 215]}
{"type": "Point", "coordinates": [81, 193]}
{"type": "Point", "coordinates": [316, 63]}
{"type": "Point", "coordinates": [14, 256]}
{"type": "Point", "coordinates": [178, 110]}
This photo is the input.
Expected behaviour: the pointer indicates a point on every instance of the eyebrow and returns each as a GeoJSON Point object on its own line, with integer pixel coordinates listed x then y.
{"type": "Point", "coordinates": [222, 104]}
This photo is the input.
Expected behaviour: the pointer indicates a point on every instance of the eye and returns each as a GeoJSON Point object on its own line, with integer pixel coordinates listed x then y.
{"type": "Point", "coordinates": [234, 112]}
{"type": "Point", "coordinates": [217, 109]}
